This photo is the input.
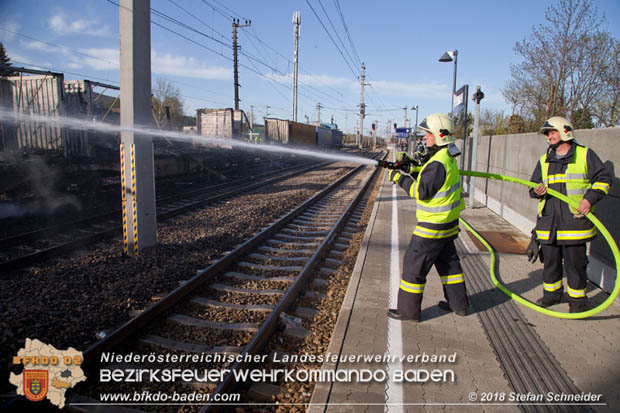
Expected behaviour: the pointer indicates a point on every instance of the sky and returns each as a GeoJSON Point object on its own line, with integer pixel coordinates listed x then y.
{"type": "Point", "coordinates": [399, 42]}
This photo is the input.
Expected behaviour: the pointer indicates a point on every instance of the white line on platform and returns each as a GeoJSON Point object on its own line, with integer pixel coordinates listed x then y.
{"type": "Point", "coordinates": [394, 391]}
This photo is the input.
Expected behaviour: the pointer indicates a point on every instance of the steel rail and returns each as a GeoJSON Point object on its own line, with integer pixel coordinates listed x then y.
{"type": "Point", "coordinates": [260, 339]}
{"type": "Point", "coordinates": [134, 326]}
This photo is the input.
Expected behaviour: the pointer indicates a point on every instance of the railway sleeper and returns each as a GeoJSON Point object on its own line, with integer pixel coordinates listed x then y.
{"type": "Point", "coordinates": [173, 345]}
{"type": "Point", "coordinates": [284, 251]}
{"type": "Point", "coordinates": [229, 289]}
{"type": "Point", "coordinates": [292, 244]}
{"type": "Point", "coordinates": [286, 237]}
{"type": "Point", "coordinates": [290, 260]}
{"type": "Point", "coordinates": [309, 226]}
{"type": "Point", "coordinates": [246, 277]}
{"type": "Point", "coordinates": [332, 263]}
{"type": "Point", "coordinates": [196, 322]}
{"type": "Point", "coordinates": [251, 265]}
{"type": "Point", "coordinates": [312, 218]}
{"type": "Point", "coordinates": [310, 233]}
{"type": "Point", "coordinates": [232, 306]}
{"type": "Point", "coordinates": [336, 254]}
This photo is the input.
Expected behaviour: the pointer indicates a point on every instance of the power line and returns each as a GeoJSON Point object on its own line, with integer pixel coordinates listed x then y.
{"type": "Point", "coordinates": [220, 12]}
{"type": "Point", "coordinates": [346, 29]}
{"type": "Point", "coordinates": [335, 31]}
{"type": "Point", "coordinates": [196, 18]}
{"type": "Point", "coordinates": [332, 39]}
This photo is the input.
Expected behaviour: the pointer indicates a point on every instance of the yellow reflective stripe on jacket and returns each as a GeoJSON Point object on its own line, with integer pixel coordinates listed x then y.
{"type": "Point", "coordinates": [553, 287]}
{"type": "Point", "coordinates": [576, 293]}
{"type": "Point", "coordinates": [412, 189]}
{"type": "Point", "coordinates": [446, 204]}
{"type": "Point", "coordinates": [554, 179]}
{"type": "Point", "coordinates": [601, 186]}
{"type": "Point", "coordinates": [575, 178]}
{"type": "Point", "coordinates": [435, 233]}
{"type": "Point", "coordinates": [411, 288]}
{"type": "Point", "coordinates": [452, 279]}
{"type": "Point", "coordinates": [442, 208]}
{"type": "Point", "coordinates": [576, 234]}
{"type": "Point", "coordinates": [395, 177]}
{"type": "Point", "coordinates": [543, 235]}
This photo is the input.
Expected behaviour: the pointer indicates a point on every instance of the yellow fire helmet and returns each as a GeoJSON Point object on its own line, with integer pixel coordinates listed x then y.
{"type": "Point", "coordinates": [441, 126]}
{"type": "Point", "coordinates": [560, 124]}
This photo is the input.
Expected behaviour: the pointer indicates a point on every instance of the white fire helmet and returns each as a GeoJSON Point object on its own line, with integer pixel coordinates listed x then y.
{"type": "Point", "coordinates": [441, 126]}
{"type": "Point", "coordinates": [560, 124]}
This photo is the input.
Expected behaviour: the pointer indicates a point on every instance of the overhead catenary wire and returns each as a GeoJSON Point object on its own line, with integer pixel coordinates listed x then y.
{"type": "Point", "coordinates": [335, 31]}
{"type": "Point", "coordinates": [251, 32]}
{"type": "Point", "coordinates": [168, 18]}
{"type": "Point", "coordinates": [355, 74]}
{"type": "Point", "coordinates": [346, 29]}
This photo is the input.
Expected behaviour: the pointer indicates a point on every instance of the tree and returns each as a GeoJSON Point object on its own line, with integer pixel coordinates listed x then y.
{"type": "Point", "coordinates": [165, 94]}
{"type": "Point", "coordinates": [566, 65]}
{"type": "Point", "coordinates": [493, 123]}
{"type": "Point", "coordinates": [5, 63]}
{"type": "Point", "coordinates": [516, 124]}
{"type": "Point", "coordinates": [581, 119]}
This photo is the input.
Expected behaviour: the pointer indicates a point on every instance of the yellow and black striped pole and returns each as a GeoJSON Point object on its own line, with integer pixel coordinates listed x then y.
{"type": "Point", "coordinates": [124, 199]}
{"type": "Point", "coordinates": [134, 200]}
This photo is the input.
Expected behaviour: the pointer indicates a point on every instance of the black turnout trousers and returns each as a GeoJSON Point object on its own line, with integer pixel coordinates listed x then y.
{"type": "Point", "coordinates": [421, 255]}
{"type": "Point", "coordinates": [575, 266]}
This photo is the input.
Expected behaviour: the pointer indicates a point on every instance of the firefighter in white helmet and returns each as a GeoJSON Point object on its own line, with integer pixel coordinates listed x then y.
{"type": "Point", "coordinates": [437, 191]}
{"type": "Point", "coordinates": [563, 231]}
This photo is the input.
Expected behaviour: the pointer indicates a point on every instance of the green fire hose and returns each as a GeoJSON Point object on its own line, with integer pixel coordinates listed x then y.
{"type": "Point", "coordinates": [599, 226]}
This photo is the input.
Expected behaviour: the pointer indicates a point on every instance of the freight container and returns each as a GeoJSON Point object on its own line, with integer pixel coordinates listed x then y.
{"type": "Point", "coordinates": [336, 139]}
{"type": "Point", "coordinates": [323, 137]}
{"type": "Point", "coordinates": [222, 123]}
{"type": "Point", "coordinates": [48, 94]}
{"type": "Point", "coordinates": [284, 131]}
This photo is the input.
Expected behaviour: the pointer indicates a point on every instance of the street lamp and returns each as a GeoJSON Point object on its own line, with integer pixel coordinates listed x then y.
{"type": "Point", "coordinates": [415, 127]}
{"type": "Point", "coordinates": [448, 57]}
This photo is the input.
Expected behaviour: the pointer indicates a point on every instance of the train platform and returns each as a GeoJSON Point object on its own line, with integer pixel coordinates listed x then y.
{"type": "Point", "coordinates": [502, 356]}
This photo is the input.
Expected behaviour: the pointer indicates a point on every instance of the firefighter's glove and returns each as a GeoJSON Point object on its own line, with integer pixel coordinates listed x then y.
{"type": "Point", "coordinates": [534, 250]}
{"type": "Point", "coordinates": [394, 175]}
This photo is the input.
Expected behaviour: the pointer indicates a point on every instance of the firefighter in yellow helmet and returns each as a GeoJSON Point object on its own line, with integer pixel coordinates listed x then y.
{"type": "Point", "coordinates": [563, 231]}
{"type": "Point", "coordinates": [437, 191]}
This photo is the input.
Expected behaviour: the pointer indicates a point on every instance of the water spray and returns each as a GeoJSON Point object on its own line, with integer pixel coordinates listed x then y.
{"type": "Point", "coordinates": [80, 124]}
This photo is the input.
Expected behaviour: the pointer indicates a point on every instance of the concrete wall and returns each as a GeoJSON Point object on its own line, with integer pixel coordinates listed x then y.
{"type": "Point", "coordinates": [516, 155]}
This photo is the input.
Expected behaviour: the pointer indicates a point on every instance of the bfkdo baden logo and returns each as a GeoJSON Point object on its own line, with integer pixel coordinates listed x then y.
{"type": "Point", "coordinates": [48, 372]}
{"type": "Point", "coordinates": [35, 384]}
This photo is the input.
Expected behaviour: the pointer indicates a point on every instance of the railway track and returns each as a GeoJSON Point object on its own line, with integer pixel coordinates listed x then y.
{"type": "Point", "coordinates": [29, 248]}
{"type": "Point", "coordinates": [234, 306]}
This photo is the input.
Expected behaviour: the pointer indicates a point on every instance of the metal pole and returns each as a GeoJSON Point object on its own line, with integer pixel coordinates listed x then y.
{"type": "Point", "coordinates": [296, 22]}
{"type": "Point", "coordinates": [474, 147]}
{"type": "Point", "coordinates": [362, 107]}
{"type": "Point", "coordinates": [251, 123]}
{"type": "Point", "coordinates": [137, 164]}
{"type": "Point", "coordinates": [235, 63]}
{"type": "Point", "coordinates": [405, 124]}
{"type": "Point", "coordinates": [374, 136]}
{"type": "Point", "coordinates": [455, 54]}
{"type": "Point", "coordinates": [318, 107]}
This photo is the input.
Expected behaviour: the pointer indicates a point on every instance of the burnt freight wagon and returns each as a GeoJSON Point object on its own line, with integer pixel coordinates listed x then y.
{"type": "Point", "coordinates": [336, 139]}
{"type": "Point", "coordinates": [222, 123]}
{"type": "Point", "coordinates": [282, 131]}
{"type": "Point", "coordinates": [323, 137]}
